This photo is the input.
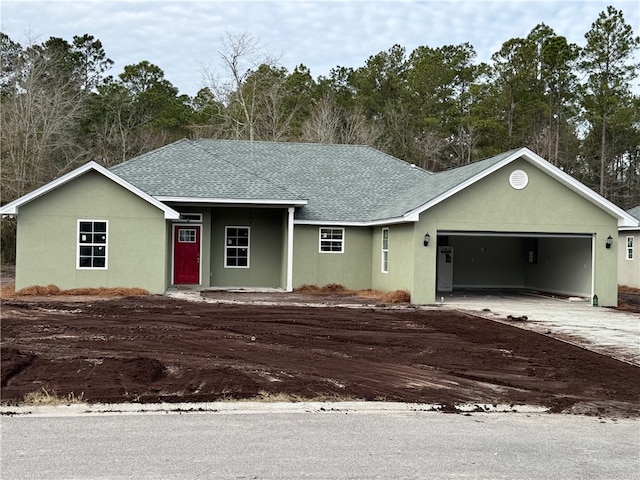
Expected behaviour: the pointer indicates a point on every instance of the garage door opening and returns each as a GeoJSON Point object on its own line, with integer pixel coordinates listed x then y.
{"type": "Point", "coordinates": [551, 263]}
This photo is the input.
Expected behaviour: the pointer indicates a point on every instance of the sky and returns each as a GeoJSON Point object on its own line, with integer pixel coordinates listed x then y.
{"type": "Point", "coordinates": [184, 37]}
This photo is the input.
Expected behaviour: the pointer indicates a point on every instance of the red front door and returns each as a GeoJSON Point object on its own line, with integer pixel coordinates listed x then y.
{"type": "Point", "coordinates": [186, 254]}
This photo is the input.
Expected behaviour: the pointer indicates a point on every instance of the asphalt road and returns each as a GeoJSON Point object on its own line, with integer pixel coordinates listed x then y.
{"type": "Point", "coordinates": [320, 445]}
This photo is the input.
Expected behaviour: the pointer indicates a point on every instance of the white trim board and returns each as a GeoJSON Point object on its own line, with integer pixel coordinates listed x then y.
{"type": "Point", "coordinates": [12, 208]}
{"type": "Point", "coordinates": [624, 219]}
{"type": "Point", "coordinates": [232, 201]}
{"type": "Point", "coordinates": [482, 233]}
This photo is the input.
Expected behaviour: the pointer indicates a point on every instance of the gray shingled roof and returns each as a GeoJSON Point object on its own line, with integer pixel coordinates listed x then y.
{"type": "Point", "coordinates": [346, 183]}
{"type": "Point", "coordinates": [635, 211]}
{"type": "Point", "coordinates": [183, 169]}
{"type": "Point", "coordinates": [342, 183]}
{"type": "Point", "coordinates": [436, 185]}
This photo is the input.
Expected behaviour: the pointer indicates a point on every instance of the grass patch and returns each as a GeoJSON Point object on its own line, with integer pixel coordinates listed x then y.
{"type": "Point", "coordinates": [270, 397]}
{"type": "Point", "coordinates": [46, 397]}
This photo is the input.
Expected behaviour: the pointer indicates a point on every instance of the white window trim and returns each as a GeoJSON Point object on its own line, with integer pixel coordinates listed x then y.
{"type": "Point", "coordinates": [320, 239]}
{"type": "Point", "coordinates": [190, 229]}
{"type": "Point", "coordinates": [189, 217]}
{"type": "Point", "coordinates": [629, 249]}
{"type": "Point", "coordinates": [226, 229]}
{"type": "Point", "coordinates": [78, 244]}
{"type": "Point", "coordinates": [383, 251]}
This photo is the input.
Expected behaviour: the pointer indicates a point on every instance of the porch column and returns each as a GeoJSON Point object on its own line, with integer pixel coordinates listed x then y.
{"type": "Point", "coordinates": [290, 250]}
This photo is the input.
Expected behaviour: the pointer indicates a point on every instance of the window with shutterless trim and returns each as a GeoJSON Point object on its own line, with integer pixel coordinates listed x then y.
{"type": "Point", "coordinates": [629, 248]}
{"type": "Point", "coordinates": [385, 251]}
{"type": "Point", "coordinates": [331, 240]}
{"type": "Point", "coordinates": [92, 244]}
{"type": "Point", "coordinates": [236, 250]}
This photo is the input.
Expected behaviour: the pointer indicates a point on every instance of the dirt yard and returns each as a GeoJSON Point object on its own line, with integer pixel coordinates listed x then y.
{"type": "Point", "coordinates": [150, 349]}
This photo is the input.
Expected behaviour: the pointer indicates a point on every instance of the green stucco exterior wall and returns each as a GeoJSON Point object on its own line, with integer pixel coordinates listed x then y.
{"type": "Point", "coordinates": [629, 268]}
{"type": "Point", "coordinates": [352, 268]}
{"type": "Point", "coordinates": [47, 237]}
{"type": "Point", "coordinates": [266, 239]}
{"type": "Point", "coordinates": [400, 269]}
{"type": "Point", "coordinates": [492, 205]}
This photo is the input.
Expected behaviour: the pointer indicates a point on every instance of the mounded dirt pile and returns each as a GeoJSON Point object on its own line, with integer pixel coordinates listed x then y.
{"type": "Point", "coordinates": [150, 349]}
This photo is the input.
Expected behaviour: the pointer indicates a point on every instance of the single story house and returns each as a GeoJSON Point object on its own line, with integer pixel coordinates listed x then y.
{"type": "Point", "coordinates": [223, 213]}
{"type": "Point", "coordinates": [629, 252]}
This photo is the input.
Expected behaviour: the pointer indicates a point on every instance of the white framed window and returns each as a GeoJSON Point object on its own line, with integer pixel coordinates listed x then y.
{"type": "Point", "coordinates": [236, 249]}
{"type": "Point", "coordinates": [385, 251]}
{"type": "Point", "coordinates": [629, 248]}
{"type": "Point", "coordinates": [92, 244]}
{"type": "Point", "coordinates": [190, 217]}
{"type": "Point", "coordinates": [331, 240]}
{"type": "Point", "coordinates": [187, 235]}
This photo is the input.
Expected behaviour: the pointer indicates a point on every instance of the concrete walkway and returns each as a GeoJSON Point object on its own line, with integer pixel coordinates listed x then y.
{"type": "Point", "coordinates": [604, 330]}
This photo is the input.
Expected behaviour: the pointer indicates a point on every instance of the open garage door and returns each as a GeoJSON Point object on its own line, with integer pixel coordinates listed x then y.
{"type": "Point", "coordinates": [554, 263]}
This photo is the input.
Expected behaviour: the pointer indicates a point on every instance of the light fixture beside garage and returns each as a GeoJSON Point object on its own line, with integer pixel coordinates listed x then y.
{"type": "Point", "coordinates": [609, 242]}
{"type": "Point", "coordinates": [518, 179]}
{"type": "Point", "coordinates": [427, 237]}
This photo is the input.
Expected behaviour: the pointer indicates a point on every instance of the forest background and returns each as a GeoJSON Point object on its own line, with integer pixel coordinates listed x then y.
{"type": "Point", "coordinates": [576, 106]}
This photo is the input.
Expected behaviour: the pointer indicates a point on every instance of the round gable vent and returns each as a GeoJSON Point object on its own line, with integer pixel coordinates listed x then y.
{"type": "Point", "coordinates": [518, 179]}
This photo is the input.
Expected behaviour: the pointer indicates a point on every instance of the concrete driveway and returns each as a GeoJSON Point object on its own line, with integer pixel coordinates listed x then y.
{"type": "Point", "coordinates": [604, 330]}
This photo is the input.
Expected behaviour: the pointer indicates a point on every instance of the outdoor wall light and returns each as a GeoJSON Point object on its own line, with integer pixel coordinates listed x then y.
{"type": "Point", "coordinates": [609, 242]}
{"type": "Point", "coordinates": [427, 237]}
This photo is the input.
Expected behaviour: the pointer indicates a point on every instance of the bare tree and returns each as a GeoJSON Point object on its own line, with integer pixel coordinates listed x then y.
{"type": "Point", "coordinates": [463, 144]}
{"type": "Point", "coordinates": [329, 123]}
{"type": "Point", "coordinates": [323, 126]}
{"type": "Point", "coordinates": [240, 55]}
{"type": "Point", "coordinates": [38, 117]}
{"type": "Point", "coordinates": [358, 129]}
{"type": "Point", "coordinates": [275, 122]}
{"type": "Point", "coordinates": [431, 148]}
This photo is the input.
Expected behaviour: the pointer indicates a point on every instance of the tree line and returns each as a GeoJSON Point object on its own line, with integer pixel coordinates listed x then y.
{"type": "Point", "coordinates": [438, 108]}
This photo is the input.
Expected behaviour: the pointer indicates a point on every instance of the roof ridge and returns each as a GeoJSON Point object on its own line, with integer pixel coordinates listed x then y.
{"type": "Point", "coordinates": [250, 172]}
{"type": "Point", "coordinates": [154, 151]}
{"type": "Point", "coordinates": [316, 144]}
{"type": "Point", "coordinates": [396, 159]}
{"type": "Point", "coordinates": [280, 142]}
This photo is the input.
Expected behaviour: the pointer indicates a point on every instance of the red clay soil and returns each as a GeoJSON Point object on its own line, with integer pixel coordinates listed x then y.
{"type": "Point", "coordinates": [155, 349]}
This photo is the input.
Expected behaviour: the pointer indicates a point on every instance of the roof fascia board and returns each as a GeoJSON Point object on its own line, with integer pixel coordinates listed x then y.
{"type": "Point", "coordinates": [449, 193]}
{"type": "Point", "coordinates": [483, 233]}
{"type": "Point", "coordinates": [341, 223]}
{"type": "Point", "coordinates": [624, 219]}
{"type": "Point", "coordinates": [11, 208]}
{"type": "Point", "coordinates": [232, 201]}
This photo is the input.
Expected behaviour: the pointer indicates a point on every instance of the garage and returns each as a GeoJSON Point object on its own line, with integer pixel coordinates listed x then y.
{"type": "Point", "coordinates": [554, 263]}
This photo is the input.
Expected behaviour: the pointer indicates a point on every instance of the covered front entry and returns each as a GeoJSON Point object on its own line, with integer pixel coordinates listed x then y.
{"type": "Point", "coordinates": [186, 254]}
{"type": "Point", "coordinates": [554, 263]}
{"type": "Point", "coordinates": [231, 246]}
